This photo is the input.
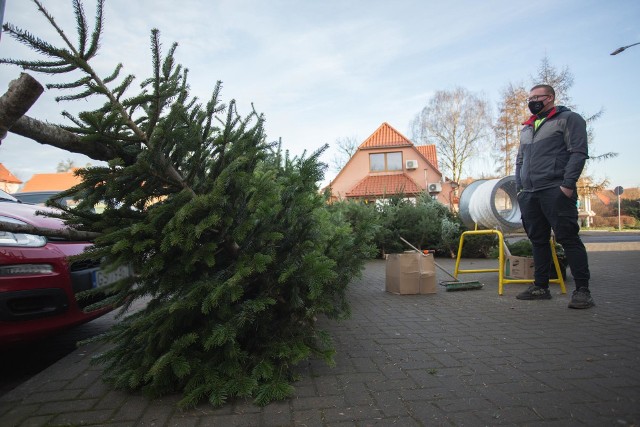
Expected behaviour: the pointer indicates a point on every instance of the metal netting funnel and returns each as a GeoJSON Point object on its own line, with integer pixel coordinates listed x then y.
{"type": "Point", "coordinates": [491, 203]}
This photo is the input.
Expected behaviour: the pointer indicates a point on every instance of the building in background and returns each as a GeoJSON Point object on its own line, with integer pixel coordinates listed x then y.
{"type": "Point", "coordinates": [8, 182]}
{"type": "Point", "coordinates": [52, 181]}
{"type": "Point", "coordinates": [386, 164]}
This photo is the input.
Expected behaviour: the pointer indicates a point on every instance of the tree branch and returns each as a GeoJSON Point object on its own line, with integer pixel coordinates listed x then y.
{"type": "Point", "coordinates": [21, 95]}
{"type": "Point", "coordinates": [67, 233]}
{"type": "Point", "coordinates": [45, 133]}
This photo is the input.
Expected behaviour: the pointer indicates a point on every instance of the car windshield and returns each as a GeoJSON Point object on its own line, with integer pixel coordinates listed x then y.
{"type": "Point", "coordinates": [4, 196]}
{"type": "Point", "coordinates": [40, 198]}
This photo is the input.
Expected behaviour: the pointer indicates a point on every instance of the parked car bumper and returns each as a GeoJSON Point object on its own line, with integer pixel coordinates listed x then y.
{"type": "Point", "coordinates": [38, 289]}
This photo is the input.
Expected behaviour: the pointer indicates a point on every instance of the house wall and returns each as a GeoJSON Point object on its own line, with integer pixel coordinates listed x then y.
{"type": "Point", "coordinates": [9, 187]}
{"type": "Point", "coordinates": [358, 168]}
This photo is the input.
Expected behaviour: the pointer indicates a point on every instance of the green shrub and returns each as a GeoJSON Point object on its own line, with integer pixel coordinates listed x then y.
{"type": "Point", "coordinates": [420, 222]}
{"type": "Point", "coordinates": [479, 246]}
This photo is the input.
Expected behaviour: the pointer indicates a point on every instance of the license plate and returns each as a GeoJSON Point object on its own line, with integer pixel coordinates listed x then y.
{"type": "Point", "coordinates": [102, 278]}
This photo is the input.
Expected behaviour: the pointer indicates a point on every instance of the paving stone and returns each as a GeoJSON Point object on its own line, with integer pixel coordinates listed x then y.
{"type": "Point", "coordinates": [246, 406]}
{"type": "Point", "coordinates": [97, 389]}
{"type": "Point", "coordinates": [53, 385]}
{"type": "Point", "coordinates": [52, 396]}
{"type": "Point", "coordinates": [131, 408]}
{"type": "Point", "coordinates": [357, 394]}
{"type": "Point", "coordinates": [83, 418]}
{"type": "Point", "coordinates": [427, 413]}
{"type": "Point", "coordinates": [158, 413]}
{"type": "Point", "coordinates": [66, 406]}
{"type": "Point", "coordinates": [318, 402]}
{"type": "Point", "coordinates": [85, 380]}
{"type": "Point", "coordinates": [391, 404]}
{"type": "Point", "coordinates": [308, 418]}
{"type": "Point", "coordinates": [15, 414]}
{"type": "Point", "coordinates": [328, 386]}
{"type": "Point", "coordinates": [37, 421]}
{"type": "Point", "coordinates": [391, 422]}
{"type": "Point", "coordinates": [113, 399]}
{"type": "Point", "coordinates": [351, 414]}
{"type": "Point", "coordinates": [240, 420]}
{"type": "Point", "coordinates": [183, 421]}
{"type": "Point", "coordinates": [305, 390]}
{"type": "Point", "coordinates": [277, 414]}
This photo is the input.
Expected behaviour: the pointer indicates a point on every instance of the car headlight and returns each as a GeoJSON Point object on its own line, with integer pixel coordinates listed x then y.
{"type": "Point", "coordinates": [20, 239]}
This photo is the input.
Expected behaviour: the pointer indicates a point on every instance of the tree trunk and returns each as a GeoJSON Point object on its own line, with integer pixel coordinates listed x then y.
{"type": "Point", "coordinates": [45, 133]}
{"type": "Point", "coordinates": [21, 95]}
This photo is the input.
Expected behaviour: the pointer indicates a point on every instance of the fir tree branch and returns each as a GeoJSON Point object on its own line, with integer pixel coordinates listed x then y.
{"type": "Point", "coordinates": [54, 24]}
{"type": "Point", "coordinates": [83, 81]}
{"type": "Point", "coordinates": [115, 74]}
{"type": "Point", "coordinates": [168, 168]}
{"type": "Point", "coordinates": [33, 42]}
{"type": "Point", "coordinates": [81, 23]}
{"type": "Point", "coordinates": [28, 65]}
{"type": "Point", "coordinates": [156, 103]}
{"type": "Point", "coordinates": [95, 36]}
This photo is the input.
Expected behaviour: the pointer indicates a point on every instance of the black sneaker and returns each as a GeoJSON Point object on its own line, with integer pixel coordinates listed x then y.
{"type": "Point", "coordinates": [581, 298]}
{"type": "Point", "coordinates": [535, 292]}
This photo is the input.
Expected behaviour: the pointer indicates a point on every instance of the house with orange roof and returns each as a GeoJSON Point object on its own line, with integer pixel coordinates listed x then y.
{"type": "Point", "coordinates": [52, 181]}
{"type": "Point", "coordinates": [387, 163]}
{"type": "Point", "coordinates": [8, 182]}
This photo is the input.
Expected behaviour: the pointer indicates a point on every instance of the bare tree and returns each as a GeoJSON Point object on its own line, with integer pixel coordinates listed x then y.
{"type": "Point", "coordinates": [512, 112]}
{"type": "Point", "coordinates": [346, 147]}
{"type": "Point", "coordinates": [458, 123]}
{"type": "Point", "coordinates": [562, 82]}
{"type": "Point", "coordinates": [65, 165]}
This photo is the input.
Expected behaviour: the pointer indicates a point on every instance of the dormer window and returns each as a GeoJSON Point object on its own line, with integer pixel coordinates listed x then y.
{"type": "Point", "coordinates": [384, 162]}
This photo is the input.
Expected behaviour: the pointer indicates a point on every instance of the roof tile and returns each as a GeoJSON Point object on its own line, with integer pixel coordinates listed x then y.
{"type": "Point", "coordinates": [51, 181]}
{"type": "Point", "coordinates": [385, 136]}
{"type": "Point", "coordinates": [429, 152]}
{"type": "Point", "coordinates": [384, 185]}
{"type": "Point", "coordinates": [6, 176]}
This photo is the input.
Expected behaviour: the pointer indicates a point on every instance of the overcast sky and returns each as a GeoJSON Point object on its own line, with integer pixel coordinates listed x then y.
{"type": "Point", "coordinates": [323, 70]}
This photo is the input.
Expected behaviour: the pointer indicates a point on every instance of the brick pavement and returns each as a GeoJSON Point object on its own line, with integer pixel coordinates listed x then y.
{"type": "Point", "coordinates": [452, 358]}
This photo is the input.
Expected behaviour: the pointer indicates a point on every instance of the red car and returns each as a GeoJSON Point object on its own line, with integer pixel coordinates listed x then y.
{"type": "Point", "coordinates": [38, 284]}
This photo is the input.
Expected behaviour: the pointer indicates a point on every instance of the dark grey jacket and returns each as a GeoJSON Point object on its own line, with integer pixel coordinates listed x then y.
{"type": "Point", "coordinates": [554, 155]}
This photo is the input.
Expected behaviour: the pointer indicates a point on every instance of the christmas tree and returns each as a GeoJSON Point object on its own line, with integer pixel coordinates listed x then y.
{"type": "Point", "coordinates": [228, 236]}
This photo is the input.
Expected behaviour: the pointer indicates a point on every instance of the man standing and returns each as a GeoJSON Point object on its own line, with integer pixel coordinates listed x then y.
{"type": "Point", "coordinates": [553, 150]}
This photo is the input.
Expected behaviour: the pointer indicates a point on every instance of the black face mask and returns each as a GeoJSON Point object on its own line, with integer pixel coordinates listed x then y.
{"type": "Point", "coordinates": [536, 107]}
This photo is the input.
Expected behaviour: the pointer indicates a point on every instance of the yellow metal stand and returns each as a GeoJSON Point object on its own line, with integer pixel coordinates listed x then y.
{"type": "Point", "coordinates": [500, 269]}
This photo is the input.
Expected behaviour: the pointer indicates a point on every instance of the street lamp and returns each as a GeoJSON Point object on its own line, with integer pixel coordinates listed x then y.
{"type": "Point", "coordinates": [621, 49]}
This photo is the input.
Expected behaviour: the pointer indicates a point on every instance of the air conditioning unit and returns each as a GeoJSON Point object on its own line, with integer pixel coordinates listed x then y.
{"type": "Point", "coordinates": [411, 164]}
{"type": "Point", "coordinates": [435, 187]}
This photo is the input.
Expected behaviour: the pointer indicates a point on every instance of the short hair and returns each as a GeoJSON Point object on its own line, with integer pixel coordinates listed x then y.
{"type": "Point", "coordinates": [547, 88]}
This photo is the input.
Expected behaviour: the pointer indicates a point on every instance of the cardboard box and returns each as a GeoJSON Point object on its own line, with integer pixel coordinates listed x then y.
{"type": "Point", "coordinates": [518, 267]}
{"type": "Point", "coordinates": [410, 273]}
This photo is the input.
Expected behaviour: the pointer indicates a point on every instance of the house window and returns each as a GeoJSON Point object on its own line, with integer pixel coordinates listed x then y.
{"type": "Point", "coordinates": [381, 162]}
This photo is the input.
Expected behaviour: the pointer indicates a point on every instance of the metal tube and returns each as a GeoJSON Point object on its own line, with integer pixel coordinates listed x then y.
{"type": "Point", "coordinates": [491, 204]}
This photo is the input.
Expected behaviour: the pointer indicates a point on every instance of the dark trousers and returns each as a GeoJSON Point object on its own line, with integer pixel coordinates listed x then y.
{"type": "Point", "coordinates": [551, 209]}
